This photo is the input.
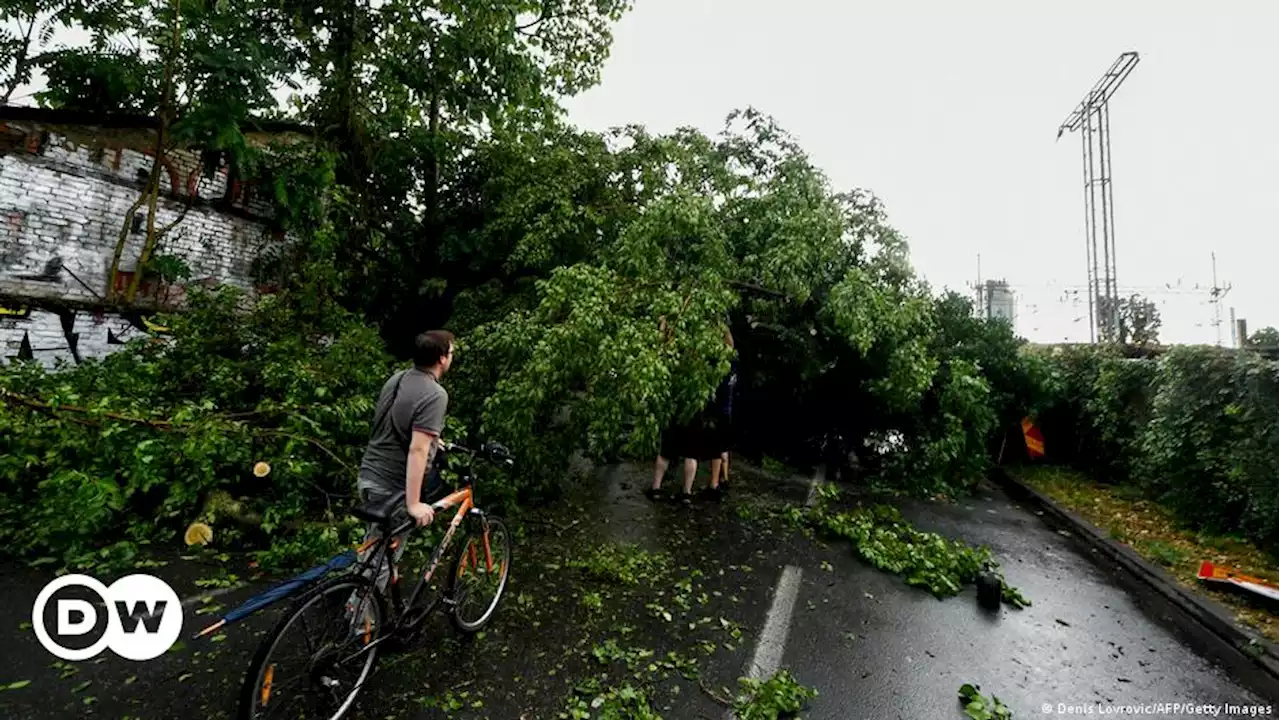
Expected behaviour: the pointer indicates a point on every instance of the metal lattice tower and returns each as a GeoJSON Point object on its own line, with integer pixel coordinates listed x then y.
{"type": "Point", "coordinates": [1092, 118]}
{"type": "Point", "coordinates": [1219, 292]}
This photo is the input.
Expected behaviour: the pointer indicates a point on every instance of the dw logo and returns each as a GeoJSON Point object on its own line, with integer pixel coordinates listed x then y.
{"type": "Point", "coordinates": [139, 617]}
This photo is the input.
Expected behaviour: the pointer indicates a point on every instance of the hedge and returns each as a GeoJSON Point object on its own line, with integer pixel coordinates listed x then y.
{"type": "Point", "coordinates": [1195, 429]}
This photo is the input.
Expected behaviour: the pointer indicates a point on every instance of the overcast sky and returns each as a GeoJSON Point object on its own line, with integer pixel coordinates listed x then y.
{"type": "Point", "coordinates": [948, 112]}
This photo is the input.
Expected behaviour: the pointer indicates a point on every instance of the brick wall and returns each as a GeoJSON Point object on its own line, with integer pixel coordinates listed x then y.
{"type": "Point", "coordinates": [64, 196]}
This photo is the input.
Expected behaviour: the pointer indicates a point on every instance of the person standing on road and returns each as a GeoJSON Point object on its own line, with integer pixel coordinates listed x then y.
{"type": "Point", "coordinates": [720, 435]}
{"type": "Point", "coordinates": [408, 421]}
{"type": "Point", "coordinates": [705, 437]}
{"type": "Point", "coordinates": [682, 440]}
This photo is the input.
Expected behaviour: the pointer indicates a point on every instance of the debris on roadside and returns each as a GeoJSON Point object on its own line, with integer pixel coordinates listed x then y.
{"type": "Point", "coordinates": [979, 707]}
{"type": "Point", "coordinates": [1211, 573]}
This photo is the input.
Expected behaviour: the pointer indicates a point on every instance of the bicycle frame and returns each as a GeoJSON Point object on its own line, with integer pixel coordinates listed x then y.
{"type": "Point", "coordinates": [463, 499]}
{"type": "Point", "coordinates": [385, 545]}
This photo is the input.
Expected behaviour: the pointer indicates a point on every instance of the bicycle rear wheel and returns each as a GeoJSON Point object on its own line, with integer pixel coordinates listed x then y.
{"type": "Point", "coordinates": [480, 573]}
{"type": "Point", "coordinates": [335, 627]}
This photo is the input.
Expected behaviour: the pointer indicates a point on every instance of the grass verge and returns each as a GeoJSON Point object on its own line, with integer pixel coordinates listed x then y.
{"type": "Point", "coordinates": [1154, 533]}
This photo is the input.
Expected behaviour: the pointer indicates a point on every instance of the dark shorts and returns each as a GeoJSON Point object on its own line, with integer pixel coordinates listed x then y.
{"type": "Point", "coordinates": [703, 438]}
{"type": "Point", "coordinates": [719, 436]}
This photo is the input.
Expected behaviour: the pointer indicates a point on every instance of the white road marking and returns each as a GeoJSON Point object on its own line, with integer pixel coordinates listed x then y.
{"type": "Point", "coordinates": [817, 479]}
{"type": "Point", "coordinates": [772, 642]}
{"type": "Point", "coordinates": [777, 625]}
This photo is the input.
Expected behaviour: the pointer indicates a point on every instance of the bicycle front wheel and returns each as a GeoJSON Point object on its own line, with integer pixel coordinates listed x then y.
{"type": "Point", "coordinates": [480, 574]}
{"type": "Point", "coordinates": [316, 659]}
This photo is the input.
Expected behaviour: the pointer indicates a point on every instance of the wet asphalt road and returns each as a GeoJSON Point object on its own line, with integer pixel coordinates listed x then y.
{"type": "Point", "coordinates": [872, 646]}
{"type": "Point", "coordinates": [1084, 643]}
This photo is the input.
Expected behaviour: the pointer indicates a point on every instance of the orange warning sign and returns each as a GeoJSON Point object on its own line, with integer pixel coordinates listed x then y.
{"type": "Point", "coordinates": [1213, 573]}
{"type": "Point", "coordinates": [1031, 435]}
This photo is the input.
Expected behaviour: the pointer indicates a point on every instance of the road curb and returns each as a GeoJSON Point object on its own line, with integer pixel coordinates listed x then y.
{"type": "Point", "coordinates": [1206, 624]}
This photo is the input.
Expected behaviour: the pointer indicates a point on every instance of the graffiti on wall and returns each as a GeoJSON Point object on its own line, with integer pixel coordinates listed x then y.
{"type": "Point", "coordinates": [50, 335]}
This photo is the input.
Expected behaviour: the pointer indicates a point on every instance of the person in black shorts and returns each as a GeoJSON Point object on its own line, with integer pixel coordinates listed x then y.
{"type": "Point", "coordinates": [720, 433]}
{"type": "Point", "coordinates": [705, 437]}
{"type": "Point", "coordinates": [688, 440]}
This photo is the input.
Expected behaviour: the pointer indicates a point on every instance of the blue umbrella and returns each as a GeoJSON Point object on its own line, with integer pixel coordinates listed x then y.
{"type": "Point", "coordinates": [284, 590]}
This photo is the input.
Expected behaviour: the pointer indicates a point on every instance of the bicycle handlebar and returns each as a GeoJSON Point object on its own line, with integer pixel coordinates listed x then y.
{"type": "Point", "coordinates": [495, 452]}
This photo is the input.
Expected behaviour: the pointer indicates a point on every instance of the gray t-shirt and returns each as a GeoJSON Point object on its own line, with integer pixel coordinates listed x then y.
{"type": "Point", "coordinates": [419, 404]}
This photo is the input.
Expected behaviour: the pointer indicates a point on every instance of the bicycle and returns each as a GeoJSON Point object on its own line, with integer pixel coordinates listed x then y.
{"type": "Point", "coordinates": [368, 618]}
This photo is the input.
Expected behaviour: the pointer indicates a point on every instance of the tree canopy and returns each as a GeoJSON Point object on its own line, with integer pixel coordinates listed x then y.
{"type": "Point", "coordinates": [1266, 338]}
{"type": "Point", "coordinates": [589, 276]}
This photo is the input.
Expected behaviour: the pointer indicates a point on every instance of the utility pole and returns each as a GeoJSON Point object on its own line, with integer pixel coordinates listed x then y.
{"type": "Point", "coordinates": [982, 308]}
{"type": "Point", "coordinates": [1092, 118]}
{"type": "Point", "coordinates": [1218, 294]}
{"type": "Point", "coordinates": [1235, 340]}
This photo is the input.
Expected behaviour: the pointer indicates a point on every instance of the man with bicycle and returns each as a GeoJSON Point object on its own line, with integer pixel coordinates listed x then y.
{"type": "Point", "coordinates": [408, 421]}
{"type": "Point", "coordinates": [403, 442]}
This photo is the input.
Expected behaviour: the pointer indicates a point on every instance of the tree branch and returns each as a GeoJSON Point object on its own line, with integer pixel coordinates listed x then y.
{"type": "Point", "coordinates": [20, 62]}
{"type": "Point", "coordinates": [757, 288]}
{"type": "Point", "coordinates": [548, 523]}
{"type": "Point", "coordinates": [280, 433]}
{"type": "Point", "coordinates": [51, 409]}
{"type": "Point", "coordinates": [168, 425]}
{"type": "Point", "coordinates": [545, 16]}
{"type": "Point", "coordinates": [186, 207]}
{"type": "Point", "coordinates": [714, 695]}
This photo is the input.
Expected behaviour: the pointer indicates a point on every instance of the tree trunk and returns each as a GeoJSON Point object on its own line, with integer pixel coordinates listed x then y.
{"type": "Point", "coordinates": [433, 172]}
{"type": "Point", "coordinates": [343, 128]}
{"type": "Point", "coordinates": [127, 226]}
{"type": "Point", "coordinates": [165, 112]}
{"type": "Point", "coordinates": [19, 62]}
{"type": "Point", "coordinates": [342, 123]}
